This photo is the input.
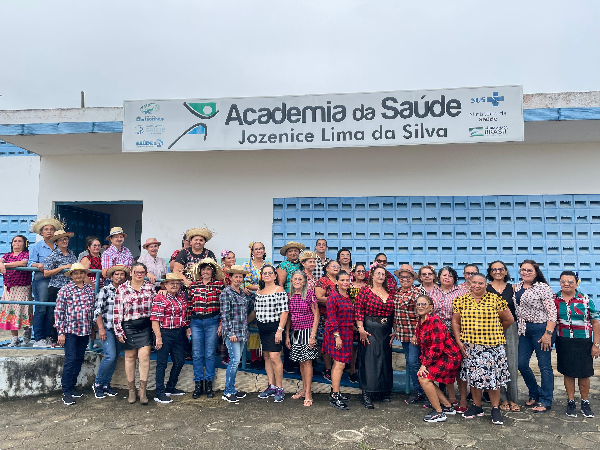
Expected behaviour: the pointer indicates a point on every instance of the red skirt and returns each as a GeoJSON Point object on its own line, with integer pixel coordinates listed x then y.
{"type": "Point", "coordinates": [343, 354]}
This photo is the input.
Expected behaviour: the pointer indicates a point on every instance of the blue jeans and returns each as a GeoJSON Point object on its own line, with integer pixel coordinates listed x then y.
{"type": "Point", "coordinates": [204, 346]}
{"type": "Point", "coordinates": [74, 353]}
{"type": "Point", "coordinates": [235, 354]}
{"type": "Point", "coordinates": [172, 344]}
{"type": "Point", "coordinates": [112, 348]}
{"type": "Point", "coordinates": [412, 354]}
{"type": "Point", "coordinates": [527, 345]}
{"type": "Point", "coordinates": [43, 316]}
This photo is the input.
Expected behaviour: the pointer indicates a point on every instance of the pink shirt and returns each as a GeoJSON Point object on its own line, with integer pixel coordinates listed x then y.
{"type": "Point", "coordinates": [300, 310]}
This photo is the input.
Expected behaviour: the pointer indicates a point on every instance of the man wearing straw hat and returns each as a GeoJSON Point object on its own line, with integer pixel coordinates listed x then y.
{"type": "Point", "coordinates": [73, 318]}
{"type": "Point", "coordinates": [157, 267]}
{"type": "Point", "coordinates": [117, 253]}
{"type": "Point", "coordinates": [192, 255]}
{"type": "Point", "coordinates": [43, 316]}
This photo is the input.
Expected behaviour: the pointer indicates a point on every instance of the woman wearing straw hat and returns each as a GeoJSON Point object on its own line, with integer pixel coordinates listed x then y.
{"type": "Point", "coordinates": [188, 257]}
{"type": "Point", "coordinates": [117, 253]}
{"type": "Point", "coordinates": [73, 318]}
{"type": "Point", "coordinates": [132, 310]}
{"type": "Point", "coordinates": [60, 259]}
{"type": "Point", "coordinates": [43, 316]}
{"type": "Point", "coordinates": [308, 260]}
{"type": "Point", "coordinates": [171, 327]}
{"type": "Point", "coordinates": [204, 310]}
{"type": "Point", "coordinates": [157, 267]}
{"type": "Point", "coordinates": [235, 308]}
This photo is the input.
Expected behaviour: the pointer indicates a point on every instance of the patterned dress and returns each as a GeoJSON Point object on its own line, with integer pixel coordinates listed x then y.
{"type": "Point", "coordinates": [289, 267]}
{"type": "Point", "coordinates": [340, 313]}
{"type": "Point", "coordinates": [439, 352]}
{"type": "Point", "coordinates": [95, 263]}
{"type": "Point", "coordinates": [17, 287]}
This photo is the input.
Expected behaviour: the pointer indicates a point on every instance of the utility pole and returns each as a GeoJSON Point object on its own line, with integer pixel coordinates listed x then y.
{"type": "Point", "coordinates": [82, 99]}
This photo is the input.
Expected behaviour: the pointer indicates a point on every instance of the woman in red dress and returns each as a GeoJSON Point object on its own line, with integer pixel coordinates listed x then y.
{"type": "Point", "coordinates": [325, 285]}
{"type": "Point", "coordinates": [440, 358]}
{"type": "Point", "coordinates": [337, 339]}
{"type": "Point", "coordinates": [93, 260]}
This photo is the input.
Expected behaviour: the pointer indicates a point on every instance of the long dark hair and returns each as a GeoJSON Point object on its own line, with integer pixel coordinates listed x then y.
{"type": "Point", "coordinates": [489, 271]}
{"type": "Point", "coordinates": [89, 241]}
{"type": "Point", "coordinates": [539, 276]}
{"type": "Point", "coordinates": [385, 285]}
{"type": "Point", "coordinates": [341, 273]}
{"type": "Point", "coordinates": [261, 283]}
{"type": "Point", "coordinates": [25, 243]}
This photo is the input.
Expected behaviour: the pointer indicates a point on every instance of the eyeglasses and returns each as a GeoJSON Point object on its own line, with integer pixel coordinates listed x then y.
{"type": "Point", "coordinates": [335, 266]}
{"type": "Point", "coordinates": [421, 304]}
{"type": "Point", "coordinates": [470, 273]}
{"type": "Point", "coordinates": [527, 271]}
{"type": "Point", "coordinates": [408, 277]}
{"type": "Point", "coordinates": [139, 272]}
{"type": "Point", "coordinates": [501, 269]}
{"type": "Point", "coordinates": [381, 261]}
{"type": "Point", "coordinates": [567, 282]}
{"type": "Point", "coordinates": [268, 273]}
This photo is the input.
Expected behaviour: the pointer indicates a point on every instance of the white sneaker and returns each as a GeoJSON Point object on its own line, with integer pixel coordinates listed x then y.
{"type": "Point", "coordinates": [14, 342]}
{"type": "Point", "coordinates": [42, 343]}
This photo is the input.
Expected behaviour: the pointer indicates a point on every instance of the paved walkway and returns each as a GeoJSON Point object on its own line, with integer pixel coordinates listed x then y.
{"type": "Point", "coordinates": [44, 422]}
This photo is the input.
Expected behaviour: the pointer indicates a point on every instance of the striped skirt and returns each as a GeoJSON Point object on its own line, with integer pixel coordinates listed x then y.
{"type": "Point", "coordinates": [301, 350]}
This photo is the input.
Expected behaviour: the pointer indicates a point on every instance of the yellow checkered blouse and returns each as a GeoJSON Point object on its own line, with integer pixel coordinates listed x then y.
{"type": "Point", "coordinates": [479, 322]}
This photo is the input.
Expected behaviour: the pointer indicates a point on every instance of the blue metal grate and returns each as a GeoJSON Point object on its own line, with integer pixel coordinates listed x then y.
{"type": "Point", "coordinates": [7, 149]}
{"type": "Point", "coordinates": [560, 232]}
{"type": "Point", "coordinates": [10, 226]}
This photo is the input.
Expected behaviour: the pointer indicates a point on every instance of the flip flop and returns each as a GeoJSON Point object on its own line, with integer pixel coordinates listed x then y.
{"type": "Point", "coordinates": [298, 395]}
{"type": "Point", "coordinates": [531, 402]}
{"type": "Point", "coordinates": [308, 402]}
{"type": "Point", "coordinates": [504, 406]}
{"type": "Point", "coordinates": [540, 405]}
{"type": "Point", "coordinates": [514, 407]}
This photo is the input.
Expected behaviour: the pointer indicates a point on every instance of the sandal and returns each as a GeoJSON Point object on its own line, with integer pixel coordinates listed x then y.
{"type": "Point", "coordinates": [537, 408]}
{"type": "Point", "coordinates": [298, 395]}
{"type": "Point", "coordinates": [504, 406]}
{"type": "Point", "coordinates": [514, 407]}
{"type": "Point", "coordinates": [308, 402]}
{"type": "Point", "coordinates": [531, 402]}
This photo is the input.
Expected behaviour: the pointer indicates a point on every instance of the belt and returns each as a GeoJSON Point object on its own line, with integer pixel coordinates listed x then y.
{"type": "Point", "coordinates": [379, 319]}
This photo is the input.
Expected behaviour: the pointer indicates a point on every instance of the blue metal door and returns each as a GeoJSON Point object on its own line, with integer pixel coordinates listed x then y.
{"type": "Point", "coordinates": [84, 223]}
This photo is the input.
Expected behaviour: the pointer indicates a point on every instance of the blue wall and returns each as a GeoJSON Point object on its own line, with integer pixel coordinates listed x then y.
{"type": "Point", "coordinates": [10, 226]}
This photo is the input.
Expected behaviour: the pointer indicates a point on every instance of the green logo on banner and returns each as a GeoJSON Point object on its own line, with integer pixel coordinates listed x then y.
{"type": "Point", "coordinates": [202, 110]}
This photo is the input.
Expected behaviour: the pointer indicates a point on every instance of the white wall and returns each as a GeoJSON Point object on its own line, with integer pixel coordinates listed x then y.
{"type": "Point", "coordinates": [232, 192]}
{"type": "Point", "coordinates": [22, 173]}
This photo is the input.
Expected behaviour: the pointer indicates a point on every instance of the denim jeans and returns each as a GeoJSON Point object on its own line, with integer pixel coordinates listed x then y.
{"type": "Point", "coordinates": [43, 316]}
{"type": "Point", "coordinates": [112, 348]}
{"type": "Point", "coordinates": [172, 344]}
{"type": "Point", "coordinates": [74, 353]}
{"type": "Point", "coordinates": [204, 346]}
{"type": "Point", "coordinates": [412, 354]}
{"type": "Point", "coordinates": [235, 354]}
{"type": "Point", "coordinates": [527, 345]}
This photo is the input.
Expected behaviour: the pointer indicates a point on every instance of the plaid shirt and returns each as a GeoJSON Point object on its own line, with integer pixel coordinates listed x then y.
{"type": "Point", "coordinates": [480, 322]}
{"type": "Point", "coordinates": [55, 260]}
{"type": "Point", "coordinates": [340, 312]}
{"type": "Point", "coordinates": [105, 303]}
{"type": "Point", "coordinates": [405, 317]}
{"type": "Point", "coordinates": [389, 278]}
{"type": "Point", "coordinates": [203, 299]}
{"type": "Point", "coordinates": [170, 311]}
{"type": "Point", "coordinates": [327, 285]}
{"type": "Point", "coordinates": [442, 301]}
{"type": "Point", "coordinates": [318, 270]}
{"type": "Point", "coordinates": [270, 307]}
{"type": "Point", "coordinates": [575, 316]}
{"type": "Point", "coordinates": [370, 304]}
{"type": "Point", "coordinates": [235, 308]}
{"type": "Point", "coordinates": [113, 257]}
{"type": "Point", "coordinates": [131, 304]}
{"type": "Point", "coordinates": [74, 309]}
{"type": "Point", "coordinates": [439, 352]}
{"type": "Point", "coordinates": [300, 310]}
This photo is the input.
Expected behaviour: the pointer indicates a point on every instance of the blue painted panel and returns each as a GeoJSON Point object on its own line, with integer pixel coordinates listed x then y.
{"type": "Point", "coordinates": [10, 226]}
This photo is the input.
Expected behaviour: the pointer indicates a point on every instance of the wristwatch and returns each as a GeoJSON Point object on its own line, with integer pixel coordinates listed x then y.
{"type": "Point", "coordinates": [549, 332]}
{"type": "Point", "coordinates": [336, 334]}
{"type": "Point", "coordinates": [597, 345]}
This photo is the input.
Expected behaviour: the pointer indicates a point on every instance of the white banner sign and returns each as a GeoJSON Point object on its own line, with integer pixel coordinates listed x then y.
{"type": "Point", "coordinates": [442, 116]}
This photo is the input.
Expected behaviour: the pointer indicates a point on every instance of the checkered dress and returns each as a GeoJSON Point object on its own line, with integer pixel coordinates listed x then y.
{"type": "Point", "coordinates": [269, 307]}
{"type": "Point", "coordinates": [340, 315]}
{"type": "Point", "coordinates": [439, 352]}
{"type": "Point", "coordinates": [480, 322]}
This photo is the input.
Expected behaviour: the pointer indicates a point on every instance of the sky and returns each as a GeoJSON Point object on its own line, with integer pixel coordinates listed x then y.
{"type": "Point", "coordinates": [136, 50]}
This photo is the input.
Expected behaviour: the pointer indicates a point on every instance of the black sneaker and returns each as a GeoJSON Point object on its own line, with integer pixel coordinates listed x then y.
{"type": "Point", "coordinates": [98, 391]}
{"type": "Point", "coordinates": [76, 394]}
{"type": "Point", "coordinates": [572, 408]}
{"type": "Point", "coordinates": [473, 411]}
{"type": "Point", "coordinates": [231, 398]}
{"type": "Point", "coordinates": [68, 399]}
{"type": "Point", "coordinates": [448, 410]}
{"type": "Point", "coordinates": [240, 394]}
{"type": "Point", "coordinates": [174, 391]}
{"type": "Point", "coordinates": [342, 396]}
{"type": "Point", "coordinates": [353, 377]}
{"type": "Point", "coordinates": [162, 398]}
{"type": "Point", "coordinates": [496, 416]}
{"type": "Point", "coordinates": [417, 398]}
{"type": "Point", "coordinates": [108, 390]}
{"type": "Point", "coordinates": [335, 400]}
{"type": "Point", "coordinates": [435, 416]}
{"type": "Point", "coordinates": [586, 410]}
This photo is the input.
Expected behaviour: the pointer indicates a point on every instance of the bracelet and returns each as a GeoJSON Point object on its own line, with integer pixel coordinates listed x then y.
{"type": "Point", "coordinates": [359, 326]}
{"type": "Point", "coordinates": [313, 337]}
{"type": "Point", "coordinates": [280, 329]}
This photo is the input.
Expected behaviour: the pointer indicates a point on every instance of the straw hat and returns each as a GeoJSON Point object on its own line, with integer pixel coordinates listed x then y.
{"type": "Point", "coordinates": [172, 277]}
{"type": "Point", "coordinates": [74, 267]}
{"type": "Point", "coordinates": [307, 255]}
{"type": "Point", "coordinates": [204, 232]}
{"type": "Point", "coordinates": [292, 244]}
{"type": "Point", "coordinates": [116, 230]}
{"type": "Point", "coordinates": [237, 269]}
{"type": "Point", "coordinates": [117, 268]}
{"type": "Point", "coordinates": [217, 271]}
{"type": "Point", "coordinates": [39, 224]}
{"type": "Point", "coordinates": [61, 233]}
{"type": "Point", "coordinates": [406, 268]}
{"type": "Point", "coordinates": [151, 241]}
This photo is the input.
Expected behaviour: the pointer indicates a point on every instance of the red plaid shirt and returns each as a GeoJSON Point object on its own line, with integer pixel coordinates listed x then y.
{"type": "Point", "coordinates": [439, 352]}
{"type": "Point", "coordinates": [131, 304]}
{"type": "Point", "coordinates": [204, 299]}
{"type": "Point", "coordinates": [74, 309]}
{"type": "Point", "coordinates": [170, 311]}
{"type": "Point", "coordinates": [370, 304]}
{"type": "Point", "coordinates": [405, 318]}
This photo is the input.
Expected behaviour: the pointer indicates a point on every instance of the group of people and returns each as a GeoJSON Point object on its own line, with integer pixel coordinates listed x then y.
{"type": "Point", "coordinates": [477, 333]}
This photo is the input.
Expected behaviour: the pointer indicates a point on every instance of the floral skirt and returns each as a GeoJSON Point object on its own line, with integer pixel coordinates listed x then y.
{"type": "Point", "coordinates": [13, 317]}
{"type": "Point", "coordinates": [485, 367]}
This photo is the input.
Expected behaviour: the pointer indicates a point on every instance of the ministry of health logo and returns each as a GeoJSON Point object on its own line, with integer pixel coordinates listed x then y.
{"type": "Point", "coordinates": [203, 111]}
